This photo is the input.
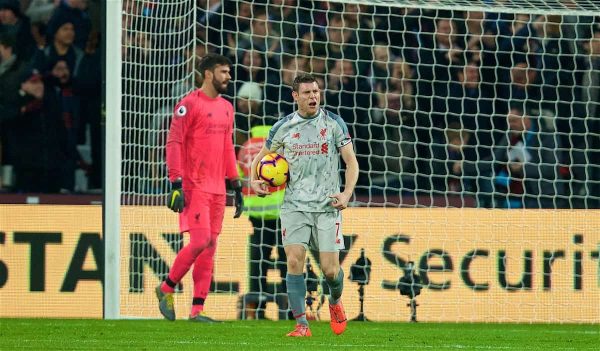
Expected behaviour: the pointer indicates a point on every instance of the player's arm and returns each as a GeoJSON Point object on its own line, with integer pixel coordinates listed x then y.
{"type": "Point", "coordinates": [341, 199]}
{"type": "Point", "coordinates": [231, 171]}
{"type": "Point", "coordinates": [175, 140]}
{"type": "Point", "coordinates": [259, 186]}
{"type": "Point", "coordinates": [175, 200]}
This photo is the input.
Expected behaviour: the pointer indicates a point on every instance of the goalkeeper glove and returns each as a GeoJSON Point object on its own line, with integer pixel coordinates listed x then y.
{"type": "Point", "coordinates": [236, 185]}
{"type": "Point", "coordinates": [175, 200]}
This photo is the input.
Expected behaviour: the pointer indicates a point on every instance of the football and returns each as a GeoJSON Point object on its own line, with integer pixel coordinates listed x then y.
{"type": "Point", "coordinates": [273, 169]}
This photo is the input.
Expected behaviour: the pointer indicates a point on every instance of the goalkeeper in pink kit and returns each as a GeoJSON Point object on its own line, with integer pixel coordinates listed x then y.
{"type": "Point", "coordinates": [200, 155]}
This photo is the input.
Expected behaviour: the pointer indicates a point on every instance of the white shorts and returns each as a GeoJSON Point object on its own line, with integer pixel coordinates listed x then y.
{"type": "Point", "coordinates": [321, 230]}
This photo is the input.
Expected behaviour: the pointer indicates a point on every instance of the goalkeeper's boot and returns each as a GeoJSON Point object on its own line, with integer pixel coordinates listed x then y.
{"type": "Point", "coordinates": [338, 318]}
{"type": "Point", "coordinates": [165, 304]}
{"type": "Point", "coordinates": [301, 330]}
{"type": "Point", "coordinates": [203, 318]}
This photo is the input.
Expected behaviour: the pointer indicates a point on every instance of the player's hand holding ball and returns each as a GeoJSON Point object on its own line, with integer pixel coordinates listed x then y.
{"type": "Point", "coordinates": [176, 200]}
{"type": "Point", "coordinates": [260, 187]}
{"type": "Point", "coordinates": [272, 170]}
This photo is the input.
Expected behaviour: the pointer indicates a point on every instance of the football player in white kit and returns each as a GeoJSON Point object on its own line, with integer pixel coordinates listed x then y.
{"type": "Point", "coordinates": [312, 140]}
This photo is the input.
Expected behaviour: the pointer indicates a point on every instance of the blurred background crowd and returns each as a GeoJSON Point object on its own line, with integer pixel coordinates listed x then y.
{"type": "Point", "coordinates": [50, 95]}
{"type": "Point", "coordinates": [498, 107]}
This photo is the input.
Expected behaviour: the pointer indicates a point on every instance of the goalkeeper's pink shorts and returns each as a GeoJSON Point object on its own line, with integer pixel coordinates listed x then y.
{"type": "Point", "coordinates": [202, 211]}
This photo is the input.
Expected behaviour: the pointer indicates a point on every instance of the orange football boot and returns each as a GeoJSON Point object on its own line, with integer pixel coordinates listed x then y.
{"type": "Point", "coordinates": [338, 318]}
{"type": "Point", "coordinates": [300, 331]}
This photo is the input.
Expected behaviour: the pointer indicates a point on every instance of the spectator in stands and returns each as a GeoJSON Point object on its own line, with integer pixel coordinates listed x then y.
{"type": "Point", "coordinates": [87, 87]}
{"type": "Point", "coordinates": [557, 72]}
{"type": "Point", "coordinates": [13, 22]}
{"type": "Point", "coordinates": [399, 28]}
{"type": "Point", "coordinates": [290, 20]}
{"type": "Point", "coordinates": [40, 11]}
{"type": "Point", "coordinates": [559, 67]}
{"type": "Point", "coordinates": [313, 47]}
{"type": "Point", "coordinates": [76, 12]}
{"type": "Point", "coordinates": [519, 87]}
{"type": "Point", "coordinates": [381, 64]}
{"type": "Point", "coordinates": [61, 82]}
{"type": "Point", "coordinates": [214, 15]}
{"type": "Point", "coordinates": [278, 99]}
{"type": "Point", "coordinates": [516, 34]}
{"type": "Point", "coordinates": [576, 28]}
{"type": "Point", "coordinates": [69, 69]}
{"type": "Point", "coordinates": [590, 101]}
{"type": "Point", "coordinates": [436, 76]}
{"type": "Point", "coordinates": [359, 18]}
{"type": "Point", "coordinates": [349, 95]}
{"type": "Point", "coordinates": [138, 65]}
{"type": "Point", "coordinates": [60, 48]}
{"type": "Point", "coordinates": [480, 44]}
{"type": "Point", "coordinates": [591, 77]}
{"type": "Point", "coordinates": [523, 171]}
{"type": "Point", "coordinates": [448, 155]}
{"type": "Point", "coordinates": [249, 68]}
{"type": "Point", "coordinates": [249, 100]}
{"type": "Point", "coordinates": [342, 42]}
{"type": "Point", "coordinates": [517, 43]}
{"type": "Point", "coordinates": [261, 36]}
{"type": "Point", "coordinates": [394, 119]}
{"type": "Point", "coordinates": [470, 105]}
{"type": "Point", "coordinates": [36, 137]}
{"type": "Point", "coordinates": [523, 75]}
{"type": "Point", "coordinates": [132, 11]}
{"type": "Point", "coordinates": [319, 11]}
{"type": "Point", "coordinates": [12, 68]}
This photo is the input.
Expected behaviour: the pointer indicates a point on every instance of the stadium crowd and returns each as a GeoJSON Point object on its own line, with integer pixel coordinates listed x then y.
{"type": "Point", "coordinates": [50, 95]}
{"type": "Point", "coordinates": [438, 102]}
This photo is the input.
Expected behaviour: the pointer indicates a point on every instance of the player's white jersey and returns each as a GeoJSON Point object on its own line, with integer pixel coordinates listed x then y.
{"type": "Point", "coordinates": [310, 146]}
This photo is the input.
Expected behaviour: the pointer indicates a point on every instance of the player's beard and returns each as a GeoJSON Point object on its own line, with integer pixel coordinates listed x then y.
{"type": "Point", "coordinates": [220, 87]}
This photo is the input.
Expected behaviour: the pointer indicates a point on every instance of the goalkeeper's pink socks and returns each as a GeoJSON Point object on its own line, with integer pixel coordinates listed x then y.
{"type": "Point", "coordinates": [197, 308]}
{"type": "Point", "coordinates": [166, 286]}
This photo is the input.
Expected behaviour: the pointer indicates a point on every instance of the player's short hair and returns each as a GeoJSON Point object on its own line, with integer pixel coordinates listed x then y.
{"type": "Point", "coordinates": [210, 61]}
{"type": "Point", "coordinates": [302, 78]}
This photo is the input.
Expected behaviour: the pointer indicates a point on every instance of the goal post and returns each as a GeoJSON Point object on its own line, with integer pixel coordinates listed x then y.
{"type": "Point", "coordinates": [475, 124]}
{"type": "Point", "coordinates": [111, 222]}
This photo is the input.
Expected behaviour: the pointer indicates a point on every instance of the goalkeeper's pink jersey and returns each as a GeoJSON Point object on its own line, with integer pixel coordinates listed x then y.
{"type": "Point", "coordinates": [200, 143]}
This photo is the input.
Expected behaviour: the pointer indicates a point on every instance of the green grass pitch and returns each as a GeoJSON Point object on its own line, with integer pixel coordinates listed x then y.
{"type": "Point", "coordinates": [87, 334]}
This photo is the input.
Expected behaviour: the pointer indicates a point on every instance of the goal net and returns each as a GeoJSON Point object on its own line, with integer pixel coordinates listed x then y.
{"type": "Point", "coordinates": [475, 124]}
